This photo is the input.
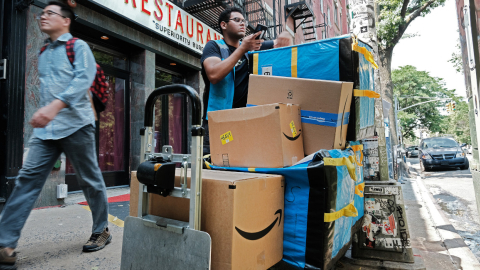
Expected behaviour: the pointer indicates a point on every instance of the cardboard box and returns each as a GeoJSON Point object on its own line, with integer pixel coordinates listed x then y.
{"type": "Point", "coordinates": [327, 59]}
{"type": "Point", "coordinates": [325, 106]}
{"type": "Point", "coordinates": [233, 204]}
{"type": "Point", "coordinates": [267, 136]}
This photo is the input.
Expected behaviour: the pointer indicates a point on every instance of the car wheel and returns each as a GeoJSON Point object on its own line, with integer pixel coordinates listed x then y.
{"type": "Point", "coordinates": [407, 156]}
{"type": "Point", "coordinates": [466, 166]}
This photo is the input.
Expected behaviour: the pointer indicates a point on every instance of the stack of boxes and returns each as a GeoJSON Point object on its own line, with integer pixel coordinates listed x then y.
{"type": "Point", "coordinates": [305, 105]}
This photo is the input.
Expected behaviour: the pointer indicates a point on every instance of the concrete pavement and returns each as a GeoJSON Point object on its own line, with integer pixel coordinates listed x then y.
{"type": "Point", "coordinates": [53, 237]}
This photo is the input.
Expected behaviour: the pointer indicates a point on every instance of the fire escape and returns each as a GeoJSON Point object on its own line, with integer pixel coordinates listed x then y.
{"type": "Point", "coordinates": [255, 12]}
{"type": "Point", "coordinates": [302, 15]}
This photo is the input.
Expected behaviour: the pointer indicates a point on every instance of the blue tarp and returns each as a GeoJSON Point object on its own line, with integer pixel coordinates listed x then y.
{"type": "Point", "coordinates": [315, 60]}
{"type": "Point", "coordinates": [367, 112]}
{"type": "Point", "coordinates": [359, 200]}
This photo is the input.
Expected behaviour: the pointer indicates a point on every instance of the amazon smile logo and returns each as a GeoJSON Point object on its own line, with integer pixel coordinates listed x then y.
{"type": "Point", "coordinates": [292, 138]}
{"type": "Point", "coordinates": [262, 233]}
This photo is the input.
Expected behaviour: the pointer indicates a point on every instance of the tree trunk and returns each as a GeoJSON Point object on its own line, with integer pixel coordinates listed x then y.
{"type": "Point", "coordinates": [385, 70]}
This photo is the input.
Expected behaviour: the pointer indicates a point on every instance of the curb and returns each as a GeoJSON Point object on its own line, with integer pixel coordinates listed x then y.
{"type": "Point", "coordinates": [349, 263]}
{"type": "Point", "coordinates": [452, 241]}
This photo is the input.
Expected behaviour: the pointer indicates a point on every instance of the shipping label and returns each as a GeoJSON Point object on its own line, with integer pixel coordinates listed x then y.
{"type": "Point", "coordinates": [293, 129]}
{"type": "Point", "coordinates": [226, 137]}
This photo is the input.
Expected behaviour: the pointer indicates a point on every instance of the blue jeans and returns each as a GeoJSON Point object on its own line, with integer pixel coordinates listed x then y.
{"type": "Point", "coordinates": [80, 150]}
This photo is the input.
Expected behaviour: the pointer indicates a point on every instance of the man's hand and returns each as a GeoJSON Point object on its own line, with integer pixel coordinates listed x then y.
{"type": "Point", "coordinates": [44, 115]}
{"type": "Point", "coordinates": [283, 40]}
{"type": "Point", "coordinates": [249, 43]}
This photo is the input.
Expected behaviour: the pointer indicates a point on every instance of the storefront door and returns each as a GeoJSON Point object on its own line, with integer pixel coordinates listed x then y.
{"type": "Point", "coordinates": [112, 128]}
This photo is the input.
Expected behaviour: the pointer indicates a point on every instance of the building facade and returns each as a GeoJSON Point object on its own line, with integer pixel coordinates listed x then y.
{"type": "Point", "coordinates": [141, 45]}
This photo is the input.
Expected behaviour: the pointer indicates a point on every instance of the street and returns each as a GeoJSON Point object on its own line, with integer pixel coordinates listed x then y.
{"type": "Point", "coordinates": [453, 192]}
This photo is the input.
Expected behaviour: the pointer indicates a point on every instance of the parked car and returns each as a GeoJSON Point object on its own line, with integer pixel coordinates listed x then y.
{"type": "Point", "coordinates": [413, 153]}
{"type": "Point", "coordinates": [441, 152]}
{"type": "Point", "coordinates": [410, 149]}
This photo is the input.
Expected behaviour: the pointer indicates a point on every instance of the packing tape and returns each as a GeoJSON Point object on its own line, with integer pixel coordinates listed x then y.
{"type": "Point", "coordinates": [294, 61]}
{"type": "Point", "coordinates": [343, 161]}
{"type": "Point", "coordinates": [255, 63]}
{"type": "Point", "coordinates": [347, 211]}
{"type": "Point", "coordinates": [359, 189]}
{"type": "Point", "coordinates": [365, 93]}
{"type": "Point", "coordinates": [325, 119]}
{"type": "Point", "coordinates": [322, 118]}
{"type": "Point", "coordinates": [357, 148]}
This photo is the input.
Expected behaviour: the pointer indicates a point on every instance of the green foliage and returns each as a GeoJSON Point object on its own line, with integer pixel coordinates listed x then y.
{"type": "Point", "coordinates": [457, 124]}
{"type": "Point", "coordinates": [456, 59]}
{"type": "Point", "coordinates": [409, 84]}
{"type": "Point", "coordinates": [392, 22]}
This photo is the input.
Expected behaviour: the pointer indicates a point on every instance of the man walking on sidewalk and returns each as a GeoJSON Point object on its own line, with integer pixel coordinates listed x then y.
{"type": "Point", "coordinates": [64, 123]}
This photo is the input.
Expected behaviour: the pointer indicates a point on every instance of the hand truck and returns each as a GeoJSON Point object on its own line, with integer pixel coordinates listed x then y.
{"type": "Point", "coordinates": [152, 242]}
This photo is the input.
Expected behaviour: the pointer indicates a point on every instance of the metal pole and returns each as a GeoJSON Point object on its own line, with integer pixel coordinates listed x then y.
{"type": "Point", "coordinates": [274, 21]}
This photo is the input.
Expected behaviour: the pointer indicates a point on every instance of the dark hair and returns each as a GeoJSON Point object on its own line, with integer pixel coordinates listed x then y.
{"type": "Point", "coordinates": [225, 15]}
{"type": "Point", "coordinates": [64, 9]}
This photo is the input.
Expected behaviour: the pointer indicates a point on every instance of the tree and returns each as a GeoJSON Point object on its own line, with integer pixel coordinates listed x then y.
{"type": "Point", "coordinates": [393, 18]}
{"type": "Point", "coordinates": [457, 123]}
{"type": "Point", "coordinates": [456, 59]}
{"type": "Point", "coordinates": [409, 84]}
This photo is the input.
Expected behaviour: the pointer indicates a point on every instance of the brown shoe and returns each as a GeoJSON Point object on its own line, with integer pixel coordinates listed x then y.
{"type": "Point", "coordinates": [98, 241]}
{"type": "Point", "coordinates": [7, 262]}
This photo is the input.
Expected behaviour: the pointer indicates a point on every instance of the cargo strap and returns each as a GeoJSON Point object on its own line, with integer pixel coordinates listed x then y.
{"type": "Point", "coordinates": [357, 148]}
{"type": "Point", "coordinates": [359, 189]}
{"type": "Point", "coordinates": [365, 93]}
{"type": "Point", "coordinates": [255, 63]}
{"type": "Point", "coordinates": [207, 164]}
{"type": "Point", "coordinates": [347, 211]}
{"type": "Point", "coordinates": [343, 161]}
{"type": "Point", "coordinates": [368, 55]}
{"type": "Point", "coordinates": [294, 61]}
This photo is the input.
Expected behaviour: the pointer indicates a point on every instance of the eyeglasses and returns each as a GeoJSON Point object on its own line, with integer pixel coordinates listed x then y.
{"type": "Point", "coordinates": [49, 13]}
{"type": "Point", "coordinates": [238, 20]}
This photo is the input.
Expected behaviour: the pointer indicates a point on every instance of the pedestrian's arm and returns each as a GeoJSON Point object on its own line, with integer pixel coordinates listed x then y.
{"type": "Point", "coordinates": [46, 114]}
{"type": "Point", "coordinates": [217, 70]}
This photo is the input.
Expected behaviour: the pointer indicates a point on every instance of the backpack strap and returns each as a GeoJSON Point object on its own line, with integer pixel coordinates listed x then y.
{"type": "Point", "coordinates": [70, 51]}
{"type": "Point", "coordinates": [43, 48]}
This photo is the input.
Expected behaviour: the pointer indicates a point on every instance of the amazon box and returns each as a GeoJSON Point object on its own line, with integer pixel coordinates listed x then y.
{"type": "Point", "coordinates": [325, 106]}
{"type": "Point", "coordinates": [242, 212]}
{"type": "Point", "coordinates": [268, 136]}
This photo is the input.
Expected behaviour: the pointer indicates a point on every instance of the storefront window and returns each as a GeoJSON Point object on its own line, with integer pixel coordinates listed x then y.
{"type": "Point", "coordinates": [111, 129]}
{"type": "Point", "coordinates": [169, 114]}
{"type": "Point", "coordinates": [107, 58]}
{"type": "Point", "coordinates": [112, 122]}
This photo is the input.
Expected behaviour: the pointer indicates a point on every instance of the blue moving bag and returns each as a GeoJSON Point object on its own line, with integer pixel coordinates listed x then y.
{"type": "Point", "coordinates": [340, 58]}
{"type": "Point", "coordinates": [319, 206]}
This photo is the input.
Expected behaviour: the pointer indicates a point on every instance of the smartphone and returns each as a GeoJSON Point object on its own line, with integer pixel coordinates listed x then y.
{"type": "Point", "coordinates": [262, 28]}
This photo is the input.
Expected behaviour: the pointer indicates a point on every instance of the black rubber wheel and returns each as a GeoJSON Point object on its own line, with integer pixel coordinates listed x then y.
{"type": "Point", "coordinates": [466, 166]}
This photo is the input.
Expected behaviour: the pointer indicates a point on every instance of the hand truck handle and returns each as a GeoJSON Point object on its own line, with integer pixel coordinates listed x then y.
{"type": "Point", "coordinates": [174, 89]}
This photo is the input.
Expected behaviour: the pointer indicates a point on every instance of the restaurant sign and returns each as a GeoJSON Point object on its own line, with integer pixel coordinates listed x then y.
{"type": "Point", "coordinates": [166, 19]}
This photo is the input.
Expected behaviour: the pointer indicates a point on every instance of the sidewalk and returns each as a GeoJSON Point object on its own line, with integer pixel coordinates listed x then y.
{"type": "Point", "coordinates": [53, 237]}
{"type": "Point", "coordinates": [433, 237]}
